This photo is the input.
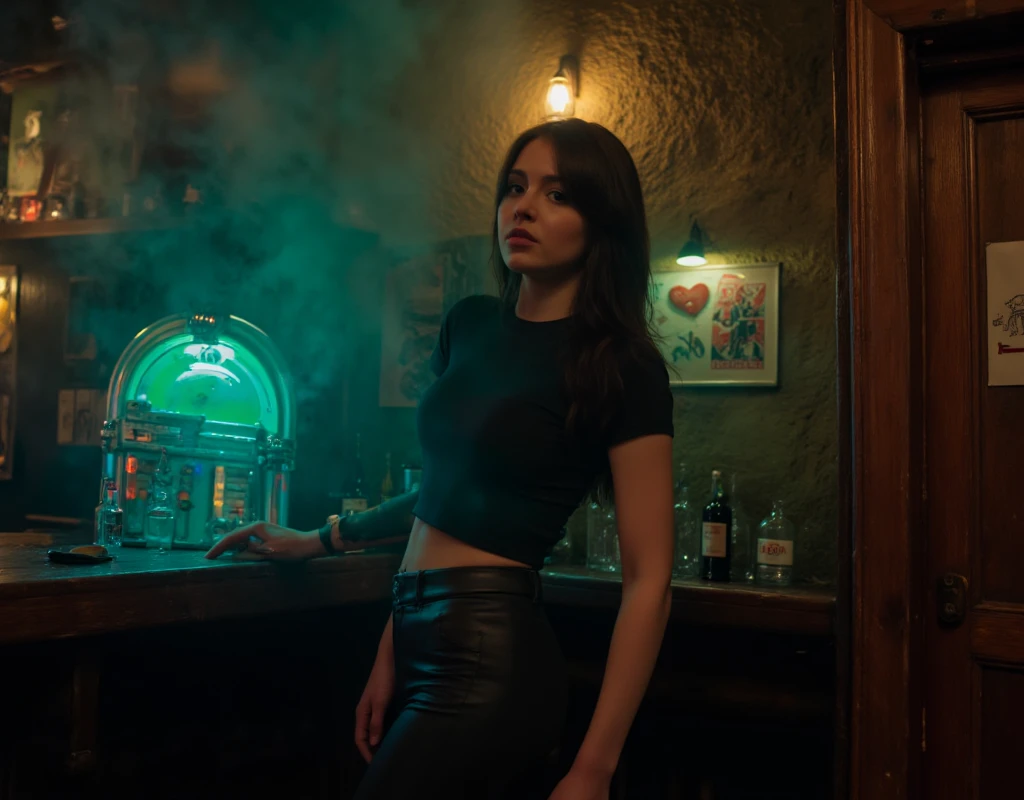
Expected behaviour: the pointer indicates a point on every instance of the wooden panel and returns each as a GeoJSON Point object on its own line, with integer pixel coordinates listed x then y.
{"type": "Point", "coordinates": [949, 384]}
{"type": "Point", "coordinates": [882, 121]}
{"type": "Point", "coordinates": [905, 14]}
{"type": "Point", "coordinates": [970, 525]}
{"type": "Point", "coordinates": [1000, 200]}
{"type": "Point", "coordinates": [792, 610]}
{"type": "Point", "coordinates": [144, 589]}
{"type": "Point", "coordinates": [844, 383]}
{"type": "Point", "coordinates": [84, 227]}
{"type": "Point", "coordinates": [1002, 745]}
{"type": "Point", "coordinates": [997, 634]}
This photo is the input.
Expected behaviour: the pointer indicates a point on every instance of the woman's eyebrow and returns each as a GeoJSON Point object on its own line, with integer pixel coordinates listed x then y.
{"type": "Point", "coordinates": [518, 173]}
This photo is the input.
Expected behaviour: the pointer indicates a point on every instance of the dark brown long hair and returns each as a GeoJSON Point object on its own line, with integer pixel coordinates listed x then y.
{"type": "Point", "coordinates": [612, 310]}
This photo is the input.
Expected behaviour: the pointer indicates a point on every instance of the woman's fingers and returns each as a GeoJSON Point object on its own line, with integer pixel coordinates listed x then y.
{"type": "Point", "coordinates": [362, 730]}
{"type": "Point", "coordinates": [376, 723]}
{"type": "Point", "coordinates": [239, 539]}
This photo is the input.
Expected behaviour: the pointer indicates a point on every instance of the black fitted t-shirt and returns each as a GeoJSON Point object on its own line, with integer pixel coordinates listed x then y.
{"type": "Point", "coordinates": [500, 472]}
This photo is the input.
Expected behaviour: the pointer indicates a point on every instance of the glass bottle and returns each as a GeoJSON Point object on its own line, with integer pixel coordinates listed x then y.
{"type": "Point", "coordinates": [387, 486]}
{"type": "Point", "coordinates": [687, 544]}
{"type": "Point", "coordinates": [775, 541]}
{"type": "Point", "coordinates": [602, 539]}
{"type": "Point", "coordinates": [742, 568]}
{"type": "Point", "coordinates": [160, 512]}
{"type": "Point", "coordinates": [561, 553]}
{"type": "Point", "coordinates": [716, 533]}
{"type": "Point", "coordinates": [353, 493]}
{"type": "Point", "coordinates": [97, 521]}
{"type": "Point", "coordinates": [111, 518]}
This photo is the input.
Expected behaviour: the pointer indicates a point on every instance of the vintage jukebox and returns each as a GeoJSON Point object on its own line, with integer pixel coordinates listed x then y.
{"type": "Point", "coordinates": [202, 406]}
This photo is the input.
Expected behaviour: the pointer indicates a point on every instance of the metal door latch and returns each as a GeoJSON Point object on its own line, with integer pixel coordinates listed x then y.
{"type": "Point", "coordinates": [952, 598]}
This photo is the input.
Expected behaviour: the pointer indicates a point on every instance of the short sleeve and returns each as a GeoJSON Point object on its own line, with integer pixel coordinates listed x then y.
{"type": "Point", "coordinates": [647, 403]}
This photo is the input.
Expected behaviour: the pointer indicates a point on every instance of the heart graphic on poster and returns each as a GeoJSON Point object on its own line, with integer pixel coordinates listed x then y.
{"type": "Point", "coordinates": [689, 301]}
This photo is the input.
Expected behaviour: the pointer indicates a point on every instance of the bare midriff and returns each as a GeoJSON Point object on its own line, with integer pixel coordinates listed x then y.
{"type": "Point", "coordinates": [430, 548]}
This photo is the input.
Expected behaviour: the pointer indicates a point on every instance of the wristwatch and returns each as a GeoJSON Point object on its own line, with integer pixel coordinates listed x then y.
{"type": "Point", "coordinates": [326, 531]}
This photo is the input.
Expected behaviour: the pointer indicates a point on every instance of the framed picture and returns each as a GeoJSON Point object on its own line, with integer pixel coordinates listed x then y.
{"type": "Point", "coordinates": [33, 127]}
{"type": "Point", "coordinates": [8, 366]}
{"type": "Point", "coordinates": [719, 324]}
{"type": "Point", "coordinates": [413, 301]}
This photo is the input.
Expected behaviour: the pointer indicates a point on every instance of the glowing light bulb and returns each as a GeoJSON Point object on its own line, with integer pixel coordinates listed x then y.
{"type": "Point", "coordinates": [560, 100]}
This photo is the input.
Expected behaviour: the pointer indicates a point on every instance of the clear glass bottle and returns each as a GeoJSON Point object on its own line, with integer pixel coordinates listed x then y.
{"type": "Point", "coordinates": [111, 519]}
{"type": "Point", "coordinates": [602, 539]}
{"type": "Point", "coordinates": [741, 570]}
{"type": "Point", "coordinates": [160, 512]}
{"type": "Point", "coordinates": [687, 544]}
{"type": "Point", "coordinates": [775, 543]}
{"type": "Point", "coordinates": [561, 553]}
{"type": "Point", "coordinates": [97, 520]}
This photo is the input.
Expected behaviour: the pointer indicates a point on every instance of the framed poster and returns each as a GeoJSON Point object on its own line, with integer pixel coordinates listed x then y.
{"type": "Point", "coordinates": [8, 366]}
{"type": "Point", "coordinates": [1004, 262]}
{"type": "Point", "coordinates": [413, 300]}
{"type": "Point", "coordinates": [33, 127]}
{"type": "Point", "coordinates": [719, 324]}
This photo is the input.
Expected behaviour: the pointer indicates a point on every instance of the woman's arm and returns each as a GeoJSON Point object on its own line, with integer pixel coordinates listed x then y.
{"type": "Point", "coordinates": [391, 521]}
{"type": "Point", "coordinates": [642, 474]}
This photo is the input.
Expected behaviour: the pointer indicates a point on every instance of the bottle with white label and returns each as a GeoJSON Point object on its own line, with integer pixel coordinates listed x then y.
{"type": "Point", "coordinates": [716, 533]}
{"type": "Point", "coordinates": [775, 541]}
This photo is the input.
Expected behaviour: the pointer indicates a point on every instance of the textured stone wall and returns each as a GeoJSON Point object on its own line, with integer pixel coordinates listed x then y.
{"type": "Point", "coordinates": [726, 106]}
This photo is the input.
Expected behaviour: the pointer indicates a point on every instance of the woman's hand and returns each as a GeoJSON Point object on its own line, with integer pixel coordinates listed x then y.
{"type": "Point", "coordinates": [264, 540]}
{"type": "Point", "coordinates": [374, 703]}
{"type": "Point", "coordinates": [582, 784]}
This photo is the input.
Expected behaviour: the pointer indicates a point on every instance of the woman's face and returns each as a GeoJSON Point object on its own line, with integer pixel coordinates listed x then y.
{"type": "Point", "coordinates": [538, 231]}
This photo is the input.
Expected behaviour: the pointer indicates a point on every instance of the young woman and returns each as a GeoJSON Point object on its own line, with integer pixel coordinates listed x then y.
{"type": "Point", "coordinates": [544, 395]}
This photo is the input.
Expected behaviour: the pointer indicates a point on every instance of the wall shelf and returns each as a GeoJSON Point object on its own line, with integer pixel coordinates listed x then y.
{"type": "Point", "coordinates": [84, 227]}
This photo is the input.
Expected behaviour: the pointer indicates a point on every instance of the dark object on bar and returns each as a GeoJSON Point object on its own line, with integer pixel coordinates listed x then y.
{"type": "Point", "coordinates": [83, 554]}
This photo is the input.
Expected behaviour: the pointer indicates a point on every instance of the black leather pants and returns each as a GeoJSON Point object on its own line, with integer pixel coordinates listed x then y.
{"type": "Point", "coordinates": [480, 689]}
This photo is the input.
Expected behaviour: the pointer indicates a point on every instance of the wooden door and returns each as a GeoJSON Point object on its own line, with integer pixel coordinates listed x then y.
{"type": "Point", "coordinates": [972, 175]}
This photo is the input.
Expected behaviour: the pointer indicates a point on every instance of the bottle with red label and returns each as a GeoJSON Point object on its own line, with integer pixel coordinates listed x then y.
{"type": "Point", "coordinates": [775, 540]}
{"type": "Point", "coordinates": [716, 533]}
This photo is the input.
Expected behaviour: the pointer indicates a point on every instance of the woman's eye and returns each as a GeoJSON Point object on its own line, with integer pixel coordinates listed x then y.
{"type": "Point", "coordinates": [557, 196]}
{"type": "Point", "coordinates": [513, 188]}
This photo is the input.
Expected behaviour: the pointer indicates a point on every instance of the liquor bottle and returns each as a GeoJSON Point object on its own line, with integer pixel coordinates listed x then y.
{"type": "Point", "coordinates": [97, 520]}
{"type": "Point", "coordinates": [687, 544]}
{"type": "Point", "coordinates": [716, 533]}
{"type": "Point", "coordinates": [741, 568]}
{"type": "Point", "coordinates": [111, 518]}
{"type": "Point", "coordinates": [387, 486]}
{"type": "Point", "coordinates": [353, 494]}
{"type": "Point", "coordinates": [775, 548]}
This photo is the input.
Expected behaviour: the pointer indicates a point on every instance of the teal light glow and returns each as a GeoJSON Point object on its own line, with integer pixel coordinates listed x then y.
{"type": "Point", "coordinates": [221, 382]}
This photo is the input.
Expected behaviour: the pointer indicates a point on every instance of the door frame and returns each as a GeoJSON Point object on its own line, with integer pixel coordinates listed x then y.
{"type": "Point", "coordinates": [879, 628]}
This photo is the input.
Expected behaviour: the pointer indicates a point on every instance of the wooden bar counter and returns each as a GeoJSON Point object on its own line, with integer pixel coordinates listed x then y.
{"type": "Point", "coordinates": [143, 588]}
{"type": "Point", "coordinates": [161, 675]}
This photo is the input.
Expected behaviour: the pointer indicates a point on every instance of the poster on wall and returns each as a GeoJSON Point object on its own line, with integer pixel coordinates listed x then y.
{"type": "Point", "coordinates": [33, 129]}
{"type": "Point", "coordinates": [8, 366]}
{"type": "Point", "coordinates": [80, 415]}
{"type": "Point", "coordinates": [1005, 275]}
{"type": "Point", "coordinates": [413, 302]}
{"type": "Point", "coordinates": [719, 324]}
